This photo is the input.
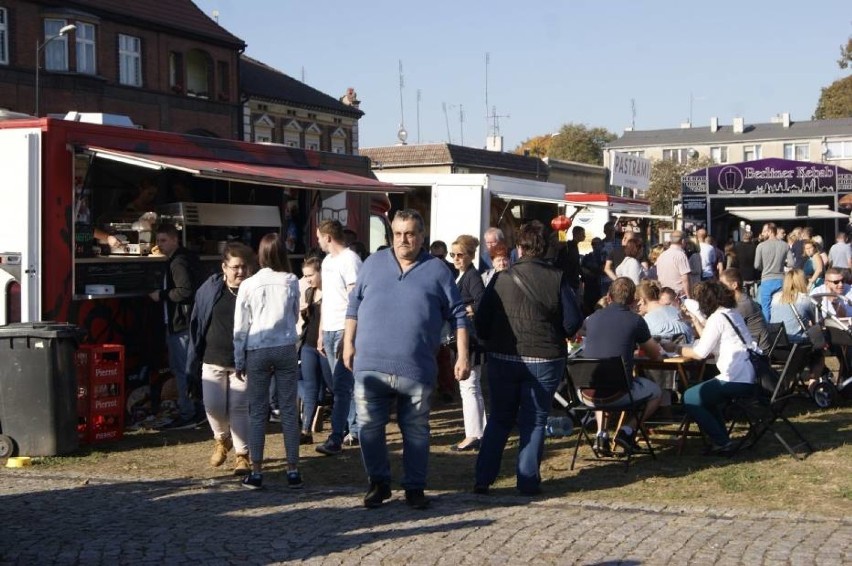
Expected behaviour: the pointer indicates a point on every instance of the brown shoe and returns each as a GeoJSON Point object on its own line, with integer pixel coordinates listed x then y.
{"type": "Point", "coordinates": [242, 466]}
{"type": "Point", "coordinates": [220, 451]}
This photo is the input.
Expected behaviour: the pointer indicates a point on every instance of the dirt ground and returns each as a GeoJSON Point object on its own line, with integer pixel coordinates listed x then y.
{"type": "Point", "coordinates": [765, 478]}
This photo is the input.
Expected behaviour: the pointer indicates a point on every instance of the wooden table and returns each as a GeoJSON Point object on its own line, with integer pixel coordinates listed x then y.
{"type": "Point", "coordinates": [682, 365]}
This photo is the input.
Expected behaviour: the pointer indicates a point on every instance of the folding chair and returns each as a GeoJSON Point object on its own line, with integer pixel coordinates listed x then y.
{"type": "Point", "coordinates": [607, 374]}
{"type": "Point", "coordinates": [761, 414]}
{"type": "Point", "coordinates": [779, 344]}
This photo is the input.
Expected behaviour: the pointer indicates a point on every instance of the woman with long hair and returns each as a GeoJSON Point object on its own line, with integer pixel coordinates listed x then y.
{"type": "Point", "coordinates": [471, 289]}
{"type": "Point", "coordinates": [720, 337]}
{"type": "Point", "coordinates": [265, 349]}
{"type": "Point", "coordinates": [793, 307]}
{"type": "Point", "coordinates": [630, 266]}
{"type": "Point", "coordinates": [814, 267]}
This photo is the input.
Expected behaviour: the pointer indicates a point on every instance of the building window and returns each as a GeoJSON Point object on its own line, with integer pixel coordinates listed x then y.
{"type": "Point", "coordinates": [797, 151]}
{"type": "Point", "coordinates": [129, 60]}
{"type": "Point", "coordinates": [312, 137]}
{"type": "Point", "coordinates": [338, 141]}
{"type": "Point", "coordinates": [291, 113]}
{"type": "Point", "coordinates": [86, 49]}
{"type": "Point", "coordinates": [4, 38]}
{"type": "Point", "coordinates": [55, 52]}
{"type": "Point", "coordinates": [636, 152]}
{"type": "Point", "coordinates": [751, 152]}
{"type": "Point", "coordinates": [676, 155]}
{"type": "Point", "coordinates": [838, 149]}
{"type": "Point", "coordinates": [224, 75]}
{"type": "Point", "coordinates": [719, 154]}
{"type": "Point", "coordinates": [176, 71]}
{"type": "Point", "coordinates": [292, 134]}
{"type": "Point", "coordinates": [198, 73]}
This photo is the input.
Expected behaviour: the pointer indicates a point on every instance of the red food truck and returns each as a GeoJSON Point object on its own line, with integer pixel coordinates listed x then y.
{"type": "Point", "coordinates": [67, 183]}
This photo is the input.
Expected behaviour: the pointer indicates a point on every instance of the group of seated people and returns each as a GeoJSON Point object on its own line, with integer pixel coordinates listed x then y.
{"type": "Point", "coordinates": [726, 322]}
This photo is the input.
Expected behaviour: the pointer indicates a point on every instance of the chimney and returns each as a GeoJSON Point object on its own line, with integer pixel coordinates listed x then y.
{"type": "Point", "coordinates": [714, 124]}
{"type": "Point", "coordinates": [739, 125]}
{"type": "Point", "coordinates": [685, 125]}
{"type": "Point", "coordinates": [494, 143]}
{"type": "Point", "coordinates": [785, 119]}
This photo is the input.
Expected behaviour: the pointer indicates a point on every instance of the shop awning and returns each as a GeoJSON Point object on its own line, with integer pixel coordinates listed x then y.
{"type": "Point", "coordinates": [251, 173]}
{"type": "Point", "coordinates": [775, 213]}
{"type": "Point", "coordinates": [642, 215]}
{"type": "Point", "coordinates": [529, 198]}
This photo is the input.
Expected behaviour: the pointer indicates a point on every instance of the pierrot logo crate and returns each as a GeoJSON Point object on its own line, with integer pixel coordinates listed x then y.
{"type": "Point", "coordinates": [100, 392]}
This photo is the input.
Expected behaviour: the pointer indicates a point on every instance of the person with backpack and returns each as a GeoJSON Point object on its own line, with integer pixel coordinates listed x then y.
{"type": "Point", "coordinates": [180, 283]}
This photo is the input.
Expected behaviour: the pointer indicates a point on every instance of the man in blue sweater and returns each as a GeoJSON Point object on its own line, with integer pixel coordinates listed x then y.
{"type": "Point", "coordinates": [393, 329]}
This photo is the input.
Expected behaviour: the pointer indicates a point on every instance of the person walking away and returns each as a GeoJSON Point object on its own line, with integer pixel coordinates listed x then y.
{"type": "Point", "coordinates": [179, 285]}
{"type": "Point", "coordinates": [840, 254]}
{"type": "Point", "coordinates": [211, 351]}
{"type": "Point", "coordinates": [526, 315]}
{"type": "Point", "coordinates": [770, 258]}
{"type": "Point", "coordinates": [339, 272]}
{"type": "Point", "coordinates": [315, 372]}
{"type": "Point", "coordinates": [744, 251]}
{"type": "Point", "coordinates": [471, 288]}
{"type": "Point", "coordinates": [673, 266]}
{"type": "Point", "coordinates": [265, 349]}
{"type": "Point", "coordinates": [395, 363]}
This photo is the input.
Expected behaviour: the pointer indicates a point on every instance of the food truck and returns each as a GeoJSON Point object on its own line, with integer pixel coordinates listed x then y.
{"type": "Point", "coordinates": [593, 210]}
{"type": "Point", "coordinates": [67, 185]}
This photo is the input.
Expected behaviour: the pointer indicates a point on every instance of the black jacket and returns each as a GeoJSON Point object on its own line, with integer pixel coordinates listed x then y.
{"type": "Point", "coordinates": [202, 314]}
{"type": "Point", "coordinates": [181, 283]}
{"type": "Point", "coordinates": [471, 289]}
{"type": "Point", "coordinates": [511, 323]}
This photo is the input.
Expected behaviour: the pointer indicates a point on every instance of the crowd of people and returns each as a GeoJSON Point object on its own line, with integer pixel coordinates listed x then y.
{"type": "Point", "coordinates": [401, 327]}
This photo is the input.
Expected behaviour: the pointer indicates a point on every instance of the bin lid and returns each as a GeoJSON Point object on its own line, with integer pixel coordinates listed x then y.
{"type": "Point", "coordinates": [41, 329]}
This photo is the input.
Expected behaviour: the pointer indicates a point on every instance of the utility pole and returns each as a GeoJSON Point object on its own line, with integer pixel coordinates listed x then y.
{"type": "Point", "coordinates": [447, 120]}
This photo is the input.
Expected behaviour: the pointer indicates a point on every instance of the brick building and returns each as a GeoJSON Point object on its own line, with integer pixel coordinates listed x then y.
{"type": "Point", "coordinates": [165, 64]}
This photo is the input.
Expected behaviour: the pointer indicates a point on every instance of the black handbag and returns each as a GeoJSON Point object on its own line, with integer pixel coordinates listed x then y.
{"type": "Point", "coordinates": [814, 332]}
{"type": "Point", "coordinates": [765, 375]}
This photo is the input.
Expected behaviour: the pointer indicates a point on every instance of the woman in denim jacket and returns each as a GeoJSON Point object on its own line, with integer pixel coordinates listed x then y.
{"type": "Point", "coordinates": [265, 348]}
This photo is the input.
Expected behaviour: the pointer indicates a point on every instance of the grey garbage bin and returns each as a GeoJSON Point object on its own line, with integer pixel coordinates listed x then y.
{"type": "Point", "coordinates": [38, 388]}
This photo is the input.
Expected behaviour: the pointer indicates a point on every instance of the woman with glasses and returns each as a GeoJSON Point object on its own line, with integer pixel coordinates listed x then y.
{"type": "Point", "coordinates": [470, 285]}
{"type": "Point", "coordinates": [211, 346]}
{"type": "Point", "coordinates": [499, 259]}
{"type": "Point", "coordinates": [265, 349]}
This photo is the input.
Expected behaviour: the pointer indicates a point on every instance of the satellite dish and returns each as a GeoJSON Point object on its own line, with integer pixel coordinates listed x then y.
{"type": "Point", "coordinates": [692, 152]}
{"type": "Point", "coordinates": [402, 135]}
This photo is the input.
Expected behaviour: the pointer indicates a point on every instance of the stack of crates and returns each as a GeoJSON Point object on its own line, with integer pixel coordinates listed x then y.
{"type": "Point", "coordinates": [100, 393]}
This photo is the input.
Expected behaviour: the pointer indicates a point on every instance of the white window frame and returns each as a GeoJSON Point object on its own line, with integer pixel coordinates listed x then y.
{"type": "Point", "coordinates": [719, 153]}
{"type": "Point", "coordinates": [678, 155]}
{"type": "Point", "coordinates": [755, 150]}
{"type": "Point", "coordinates": [338, 141]}
{"type": "Point", "coordinates": [129, 60]}
{"type": "Point", "coordinates": [292, 134]}
{"type": "Point", "coordinates": [55, 52]}
{"type": "Point", "coordinates": [263, 129]}
{"type": "Point", "coordinates": [312, 137]}
{"type": "Point", "coordinates": [4, 36]}
{"type": "Point", "coordinates": [87, 59]}
{"type": "Point", "coordinates": [838, 149]}
{"type": "Point", "coordinates": [797, 151]}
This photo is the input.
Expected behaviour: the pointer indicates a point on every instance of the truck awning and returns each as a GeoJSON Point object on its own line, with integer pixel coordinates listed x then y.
{"type": "Point", "coordinates": [530, 198]}
{"type": "Point", "coordinates": [773, 213]}
{"type": "Point", "coordinates": [251, 173]}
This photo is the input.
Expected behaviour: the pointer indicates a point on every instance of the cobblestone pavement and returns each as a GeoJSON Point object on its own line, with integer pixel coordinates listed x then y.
{"type": "Point", "coordinates": [60, 519]}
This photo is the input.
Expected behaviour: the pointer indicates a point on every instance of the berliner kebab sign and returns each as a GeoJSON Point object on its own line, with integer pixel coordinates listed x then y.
{"type": "Point", "coordinates": [769, 177]}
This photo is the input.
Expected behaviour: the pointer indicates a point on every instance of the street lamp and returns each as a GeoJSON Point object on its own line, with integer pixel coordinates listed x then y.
{"type": "Point", "coordinates": [39, 46]}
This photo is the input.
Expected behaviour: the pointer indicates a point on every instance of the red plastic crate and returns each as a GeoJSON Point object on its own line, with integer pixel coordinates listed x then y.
{"type": "Point", "coordinates": [100, 393]}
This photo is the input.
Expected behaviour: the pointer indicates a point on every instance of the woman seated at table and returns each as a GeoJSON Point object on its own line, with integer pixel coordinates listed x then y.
{"type": "Point", "coordinates": [736, 374]}
{"type": "Point", "coordinates": [793, 307]}
{"type": "Point", "coordinates": [665, 323]}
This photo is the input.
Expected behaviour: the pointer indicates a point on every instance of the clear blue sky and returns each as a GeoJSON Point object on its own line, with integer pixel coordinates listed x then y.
{"type": "Point", "coordinates": [551, 61]}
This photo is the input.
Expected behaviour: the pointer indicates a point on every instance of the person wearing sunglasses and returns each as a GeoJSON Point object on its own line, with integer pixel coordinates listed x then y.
{"type": "Point", "coordinates": [839, 298]}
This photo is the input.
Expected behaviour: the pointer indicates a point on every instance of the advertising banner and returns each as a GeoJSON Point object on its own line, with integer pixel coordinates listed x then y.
{"type": "Point", "coordinates": [630, 171]}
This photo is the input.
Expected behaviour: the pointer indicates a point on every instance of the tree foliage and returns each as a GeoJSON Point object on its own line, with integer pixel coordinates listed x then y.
{"type": "Point", "coordinates": [664, 187]}
{"type": "Point", "coordinates": [835, 100]}
{"type": "Point", "coordinates": [573, 142]}
{"type": "Point", "coordinates": [845, 54]}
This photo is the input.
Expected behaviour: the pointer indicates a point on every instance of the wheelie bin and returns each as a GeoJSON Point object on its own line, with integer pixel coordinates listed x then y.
{"type": "Point", "coordinates": [38, 388]}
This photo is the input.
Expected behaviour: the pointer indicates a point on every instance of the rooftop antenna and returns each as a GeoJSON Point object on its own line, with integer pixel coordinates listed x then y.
{"type": "Point", "coordinates": [418, 115]}
{"type": "Point", "coordinates": [303, 73]}
{"type": "Point", "coordinates": [495, 120]}
{"type": "Point", "coordinates": [632, 113]}
{"type": "Point", "coordinates": [216, 16]}
{"type": "Point", "coordinates": [402, 135]}
{"type": "Point", "coordinates": [487, 62]}
{"type": "Point", "coordinates": [461, 122]}
{"type": "Point", "coordinates": [447, 120]}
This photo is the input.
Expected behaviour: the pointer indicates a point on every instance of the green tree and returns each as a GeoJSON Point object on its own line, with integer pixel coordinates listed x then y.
{"type": "Point", "coordinates": [664, 187]}
{"type": "Point", "coordinates": [845, 54]}
{"type": "Point", "coordinates": [577, 142]}
{"type": "Point", "coordinates": [835, 100]}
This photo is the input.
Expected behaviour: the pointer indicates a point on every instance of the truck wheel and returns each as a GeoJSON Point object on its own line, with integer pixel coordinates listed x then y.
{"type": "Point", "coordinates": [7, 446]}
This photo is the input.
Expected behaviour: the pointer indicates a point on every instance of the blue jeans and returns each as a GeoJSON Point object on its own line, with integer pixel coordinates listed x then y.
{"type": "Point", "coordinates": [178, 345]}
{"type": "Point", "coordinates": [703, 401]}
{"type": "Point", "coordinates": [768, 287]}
{"type": "Point", "coordinates": [521, 393]}
{"type": "Point", "coordinates": [315, 373]}
{"type": "Point", "coordinates": [343, 412]}
{"type": "Point", "coordinates": [374, 393]}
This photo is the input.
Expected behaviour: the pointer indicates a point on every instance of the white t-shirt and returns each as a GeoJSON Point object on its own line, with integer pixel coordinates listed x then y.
{"type": "Point", "coordinates": [720, 340]}
{"type": "Point", "coordinates": [630, 268]}
{"type": "Point", "coordinates": [338, 273]}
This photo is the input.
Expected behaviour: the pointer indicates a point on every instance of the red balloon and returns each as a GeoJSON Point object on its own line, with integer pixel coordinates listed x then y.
{"type": "Point", "coordinates": [561, 222]}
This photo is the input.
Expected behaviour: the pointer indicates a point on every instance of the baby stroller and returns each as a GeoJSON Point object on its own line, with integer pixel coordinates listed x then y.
{"type": "Point", "coordinates": [828, 390]}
